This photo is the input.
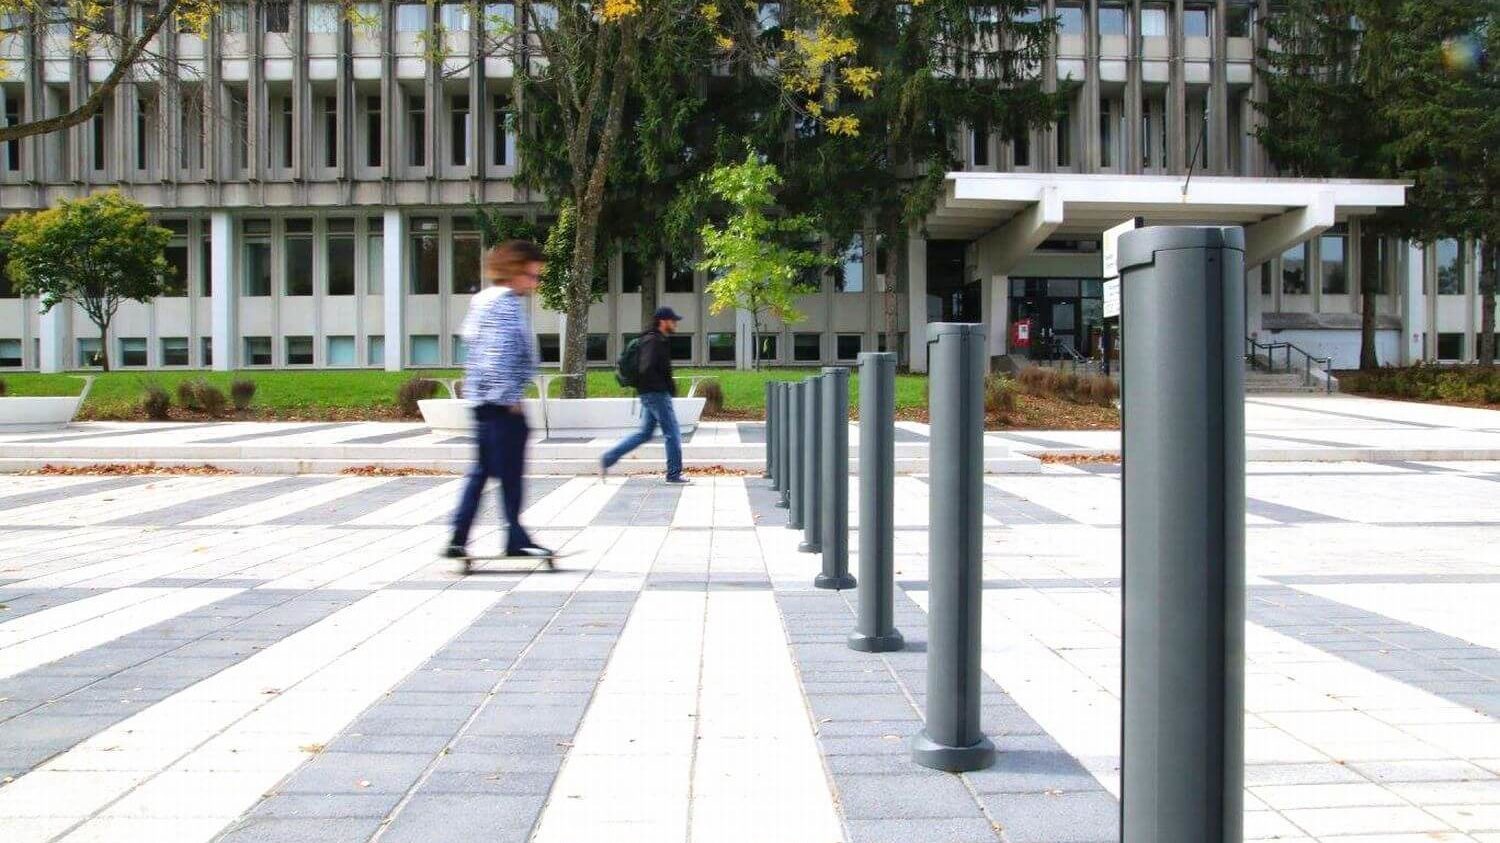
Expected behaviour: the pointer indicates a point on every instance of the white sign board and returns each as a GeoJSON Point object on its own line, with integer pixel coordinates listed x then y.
{"type": "Point", "coordinates": [1111, 249]}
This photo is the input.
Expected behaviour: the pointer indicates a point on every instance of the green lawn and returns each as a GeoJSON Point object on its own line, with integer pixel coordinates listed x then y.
{"type": "Point", "coordinates": [372, 394]}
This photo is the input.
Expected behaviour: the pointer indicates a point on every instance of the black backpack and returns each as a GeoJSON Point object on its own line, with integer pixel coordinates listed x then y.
{"type": "Point", "coordinates": [628, 366]}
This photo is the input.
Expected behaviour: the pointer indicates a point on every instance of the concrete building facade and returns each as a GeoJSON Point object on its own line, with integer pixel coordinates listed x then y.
{"type": "Point", "coordinates": [319, 178]}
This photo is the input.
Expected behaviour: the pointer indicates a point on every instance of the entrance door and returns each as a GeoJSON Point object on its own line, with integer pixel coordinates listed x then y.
{"type": "Point", "coordinates": [1063, 327]}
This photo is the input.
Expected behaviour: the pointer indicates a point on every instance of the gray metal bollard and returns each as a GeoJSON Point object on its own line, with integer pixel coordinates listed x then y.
{"type": "Point", "coordinates": [952, 740]}
{"type": "Point", "coordinates": [1182, 736]}
{"type": "Point", "coordinates": [770, 402]}
{"type": "Point", "coordinates": [784, 390]}
{"type": "Point", "coordinates": [798, 433]}
{"type": "Point", "coordinates": [812, 467]}
{"type": "Point", "coordinates": [833, 487]}
{"type": "Point", "coordinates": [875, 630]}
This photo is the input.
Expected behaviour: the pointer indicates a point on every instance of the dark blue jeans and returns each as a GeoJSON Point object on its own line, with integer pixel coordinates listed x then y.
{"type": "Point", "coordinates": [656, 411]}
{"type": "Point", "coordinates": [501, 434]}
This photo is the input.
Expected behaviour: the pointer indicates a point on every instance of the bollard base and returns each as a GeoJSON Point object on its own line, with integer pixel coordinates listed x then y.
{"type": "Point", "coordinates": [839, 582]}
{"type": "Point", "coordinates": [951, 759]}
{"type": "Point", "coordinates": [792, 524]}
{"type": "Point", "coordinates": [890, 642]}
{"type": "Point", "coordinates": [783, 504]}
{"type": "Point", "coordinates": [806, 547]}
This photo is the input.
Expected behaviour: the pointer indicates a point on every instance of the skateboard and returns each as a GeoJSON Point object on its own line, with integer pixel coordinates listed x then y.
{"type": "Point", "coordinates": [521, 564]}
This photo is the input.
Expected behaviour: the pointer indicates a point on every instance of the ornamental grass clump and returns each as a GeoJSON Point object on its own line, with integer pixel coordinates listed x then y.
{"type": "Point", "coordinates": [412, 390]}
{"type": "Point", "coordinates": [242, 392]}
{"type": "Point", "coordinates": [156, 403]}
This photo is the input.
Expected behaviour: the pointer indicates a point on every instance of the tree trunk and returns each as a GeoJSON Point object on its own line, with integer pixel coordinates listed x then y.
{"type": "Point", "coordinates": [894, 275]}
{"type": "Point", "coordinates": [649, 286]}
{"type": "Point", "coordinates": [580, 297]}
{"type": "Point", "coordinates": [1488, 270]}
{"type": "Point", "coordinates": [104, 345]}
{"type": "Point", "coordinates": [1368, 360]}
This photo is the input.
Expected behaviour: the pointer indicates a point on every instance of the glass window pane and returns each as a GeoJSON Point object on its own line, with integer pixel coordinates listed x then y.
{"type": "Point", "coordinates": [850, 345]}
{"type": "Point", "coordinates": [424, 264]}
{"type": "Point", "coordinates": [322, 17]}
{"type": "Point", "coordinates": [460, 350]}
{"type": "Point", "coordinates": [1294, 270]}
{"type": "Point", "coordinates": [425, 351]}
{"type": "Point", "coordinates": [721, 348]}
{"type": "Point", "coordinates": [1154, 22]}
{"type": "Point", "coordinates": [177, 260]}
{"type": "Point", "coordinates": [1335, 276]}
{"type": "Point", "coordinates": [299, 351]}
{"type": "Point", "coordinates": [206, 351]}
{"type": "Point", "coordinates": [375, 264]}
{"type": "Point", "coordinates": [1070, 20]}
{"type": "Point", "coordinates": [10, 353]}
{"type": "Point", "coordinates": [455, 17]}
{"type": "Point", "coordinates": [681, 347]}
{"type": "Point", "coordinates": [679, 274]}
{"type": "Point", "coordinates": [549, 347]}
{"type": "Point", "coordinates": [205, 268]}
{"type": "Point", "coordinates": [765, 347]}
{"type": "Point", "coordinates": [411, 17]}
{"type": "Point", "coordinates": [341, 351]}
{"type": "Point", "coordinates": [132, 351]}
{"type": "Point", "coordinates": [299, 261]}
{"type": "Point", "coordinates": [88, 352]}
{"type": "Point", "coordinates": [1450, 347]}
{"type": "Point", "coordinates": [596, 348]}
{"type": "Point", "coordinates": [174, 351]}
{"type": "Point", "coordinates": [375, 350]}
{"type": "Point", "coordinates": [1112, 20]}
{"type": "Point", "coordinates": [1237, 25]}
{"type": "Point", "coordinates": [632, 272]}
{"type": "Point", "coordinates": [341, 266]}
{"type": "Point", "coordinates": [807, 348]}
{"type": "Point", "coordinates": [1372, 257]}
{"type": "Point", "coordinates": [257, 269]}
{"type": "Point", "coordinates": [1450, 273]}
{"type": "Point", "coordinates": [1195, 23]}
{"type": "Point", "coordinates": [466, 255]}
{"type": "Point", "coordinates": [852, 270]}
{"type": "Point", "coordinates": [257, 351]}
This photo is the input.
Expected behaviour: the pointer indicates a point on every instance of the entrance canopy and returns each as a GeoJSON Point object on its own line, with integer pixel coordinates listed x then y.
{"type": "Point", "coordinates": [1010, 214]}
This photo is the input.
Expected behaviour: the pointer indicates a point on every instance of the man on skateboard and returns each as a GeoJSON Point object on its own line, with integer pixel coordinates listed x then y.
{"type": "Point", "coordinates": [502, 361]}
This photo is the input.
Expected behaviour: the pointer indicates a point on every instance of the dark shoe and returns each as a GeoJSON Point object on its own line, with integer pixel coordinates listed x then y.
{"type": "Point", "coordinates": [455, 551]}
{"type": "Point", "coordinates": [603, 470]}
{"type": "Point", "coordinates": [679, 481]}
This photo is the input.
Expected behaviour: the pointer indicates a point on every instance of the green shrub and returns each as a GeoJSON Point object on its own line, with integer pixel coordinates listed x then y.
{"type": "Point", "coordinates": [712, 393]}
{"type": "Point", "coordinates": [243, 392]}
{"type": "Point", "coordinates": [187, 395]}
{"type": "Point", "coordinates": [1459, 384]}
{"type": "Point", "coordinates": [1098, 390]}
{"type": "Point", "coordinates": [156, 403]}
{"type": "Point", "coordinates": [999, 395]}
{"type": "Point", "coordinates": [212, 399]}
{"type": "Point", "coordinates": [414, 389]}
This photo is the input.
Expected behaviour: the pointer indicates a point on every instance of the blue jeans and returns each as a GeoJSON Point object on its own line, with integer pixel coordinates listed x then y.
{"type": "Point", "coordinates": [656, 411]}
{"type": "Point", "coordinates": [501, 435]}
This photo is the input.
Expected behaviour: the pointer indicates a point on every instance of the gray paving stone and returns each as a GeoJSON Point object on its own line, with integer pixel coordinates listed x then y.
{"type": "Point", "coordinates": [969, 830]}
{"type": "Point", "coordinates": [539, 720]}
{"type": "Point", "coordinates": [916, 795]}
{"type": "Point", "coordinates": [462, 816]}
{"type": "Point", "coordinates": [445, 780]}
{"type": "Point", "coordinates": [1061, 818]}
{"type": "Point", "coordinates": [890, 706]}
{"type": "Point", "coordinates": [268, 829]}
{"type": "Point", "coordinates": [1316, 773]}
{"type": "Point", "coordinates": [358, 772]}
{"type": "Point", "coordinates": [1449, 770]}
{"type": "Point", "coordinates": [1030, 771]}
{"type": "Point", "coordinates": [356, 742]}
{"type": "Point", "coordinates": [295, 805]}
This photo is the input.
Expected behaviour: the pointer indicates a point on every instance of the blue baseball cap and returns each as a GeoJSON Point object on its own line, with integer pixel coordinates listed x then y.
{"type": "Point", "coordinates": [665, 313]}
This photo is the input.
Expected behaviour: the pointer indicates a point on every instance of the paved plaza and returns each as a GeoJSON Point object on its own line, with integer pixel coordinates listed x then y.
{"type": "Point", "coordinates": [270, 658]}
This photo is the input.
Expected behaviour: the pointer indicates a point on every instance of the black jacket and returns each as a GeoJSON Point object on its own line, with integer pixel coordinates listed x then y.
{"type": "Point", "coordinates": [656, 365]}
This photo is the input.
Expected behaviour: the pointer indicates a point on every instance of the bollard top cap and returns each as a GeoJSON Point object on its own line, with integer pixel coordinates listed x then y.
{"type": "Point", "coordinates": [835, 370]}
{"type": "Point", "coordinates": [938, 329]}
{"type": "Point", "coordinates": [877, 357]}
{"type": "Point", "coordinates": [1139, 246]}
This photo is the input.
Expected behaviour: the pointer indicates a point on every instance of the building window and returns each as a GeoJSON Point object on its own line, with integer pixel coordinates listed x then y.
{"type": "Point", "coordinates": [96, 126]}
{"type": "Point", "coordinates": [174, 351]}
{"type": "Point", "coordinates": [10, 353]}
{"type": "Point", "coordinates": [980, 145]}
{"type": "Point", "coordinates": [1106, 139]}
{"type": "Point", "coordinates": [1450, 347]}
{"type": "Point", "coordinates": [299, 351]}
{"type": "Point", "coordinates": [278, 15]}
{"type": "Point", "coordinates": [298, 258]}
{"type": "Point", "coordinates": [340, 351]}
{"type": "Point", "coordinates": [374, 129]}
{"type": "Point", "coordinates": [679, 274]}
{"type": "Point", "coordinates": [143, 133]}
{"type": "Point", "coordinates": [88, 353]}
{"type": "Point", "coordinates": [239, 132]}
{"type": "Point", "coordinates": [1195, 22]}
{"type": "Point", "coordinates": [1112, 20]}
{"type": "Point", "coordinates": [851, 274]}
{"type": "Point", "coordinates": [416, 130]}
{"type": "Point", "coordinates": [458, 129]}
{"type": "Point", "coordinates": [339, 260]}
{"type": "Point", "coordinates": [849, 346]}
{"type": "Point", "coordinates": [1154, 21]}
{"type": "Point", "coordinates": [596, 348]}
{"type": "Point", "coordinates": [256, 268]}
{"type": "Point", "coordinates": [425, 350]}
{"type": "Point", "coordinates": [322, 18]}
{"type": "Point", "coordinates": [466, 258]}
{"type": "Point", "coordinates": [455, 16]}
{"type": "Point", "coordinates": [721, 348]}
{"type": "Point", "coordinates": [632, 272]}
{"type": "Point", "coordinates": [12, 118]}
{"type": "Point", "coordinates": [460, 350]}
{"type": "Point", "coordinates": [236, 18]}
{"type": "Point", "coordinates": [1450, 268]}
{"type": "Point", "coordinates": [411, 17]}
{"type": "Point", "coordinates": [1069, 19]}
{"type": "Point", "coordinates": [549, 348]}
{"type": "Point", "coordinates": [1239, 19]}
{"type": "Point", "coordinates": [257, 351]}
{"type": "Point", "coordinates": [330, 131]}
{"type": "Point", "coordinates": [807, 348]}
{"type": "Point", "coordinates": [1294, 271]}
{"type": "Point", "coordinates": [1065, 136]}
{"type": "Point", "coordinates": [177, 271]}
{"type": "Point", "coordinates": [375, 350]}
{"type": "Point", "coordinates": [1372, 258]}
{"type": "Point", "coordinates": [284, 132]}
{"type": "Point", "coordinates": [206, 351]}
{"type": "Point", "coordinates": [500, 139]}
{"type": "Point", "coordinates": [424, 257]}
{"type": "Point", "coordinates": [881, 345]}
{"type": "Point", "coordinates": [765, 347]}
{"type": "Point", "coordinates": [1021, 149]}
{"type": "Point", "coordinates": [1331, 248]}
{"type": "Point", "coordinates": [375, 264]}
{"type": "Point", "coordinates": [206, 266]}
{"type": "Point", "coordinates": [681, 347]}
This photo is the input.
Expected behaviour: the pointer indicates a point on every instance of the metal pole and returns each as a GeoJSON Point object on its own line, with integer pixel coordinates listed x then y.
{"type": "Point", "coordinates": [770, 449]}
{"type": "Point", "coordinates": [798, 433]}
{"type": "Point", "coordinates": [1182, 736]}
{"type": "Point", "coordinates": [812, 467]}
{"type": "Point", "coordinates": [952, 739]}
{"type": "Point", "coordinates": [782, 462]}
{"type": "Point", "coordinates": [834, 486]}
{"type": "Point", "coordinates": [875, 629]}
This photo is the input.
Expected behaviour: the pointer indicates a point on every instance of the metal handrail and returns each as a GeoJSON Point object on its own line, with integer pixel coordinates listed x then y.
{"type": "Point", "coordinates": [1270, 349]}
{"type": "Point", "coordinates": [544, 381]}
{"type": "Point", "coordinates": [1072, 354]}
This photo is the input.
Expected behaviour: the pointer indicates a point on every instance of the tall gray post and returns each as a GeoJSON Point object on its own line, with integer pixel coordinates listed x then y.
{"type": "Point", "coordinates": [1184, 544]}
{"type": "Point", "coordinates": [782, 458]}
{"type": "Point", "coordinates": [875, 629]}
{"type": "Point", "coordinates": [952, 739]}
{"type": "Point", "coordinates": [812, 467]}
{"type": "Point", "coordinates": [798, 433]}
{"type": "Point", "coordinates": [833, 487]}
{"type": "Point", "coordinates": [770, 440]}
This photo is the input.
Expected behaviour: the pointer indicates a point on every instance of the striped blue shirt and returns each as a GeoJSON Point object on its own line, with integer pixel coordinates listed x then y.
{"type": "Point", "coordinates": [502, 357]}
